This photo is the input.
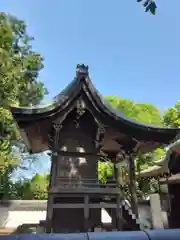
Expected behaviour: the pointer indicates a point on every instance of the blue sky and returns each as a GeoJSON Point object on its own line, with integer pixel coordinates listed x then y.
{"type": "Point", "coordinates": [130, 53]}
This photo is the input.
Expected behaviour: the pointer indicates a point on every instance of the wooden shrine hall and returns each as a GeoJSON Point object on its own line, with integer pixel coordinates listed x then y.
{"type": "Point", "coordinates": [80, 127]}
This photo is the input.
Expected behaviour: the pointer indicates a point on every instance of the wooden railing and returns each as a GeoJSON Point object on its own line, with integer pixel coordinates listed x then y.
{"type": "Point", "coordinates": [86, 182]}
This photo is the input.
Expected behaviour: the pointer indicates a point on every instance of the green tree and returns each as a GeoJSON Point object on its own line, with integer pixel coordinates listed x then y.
{"type": "Point", "coordinates": [171, 117]}
{"type": "Point", "coordinates": [19, 85]}
{"type": "Point", "coordinates": [105, 170]}
{"type": "Point", "coordinates": [19, 65]}
{"type": "Point", "coordinates": [145, 113]}
{"type": "Point", "coordinates": [36, 188]}
{"type": "Point", "coordinates": [29, 189]}
{"type": "Point", "coordinates": [141, 112]}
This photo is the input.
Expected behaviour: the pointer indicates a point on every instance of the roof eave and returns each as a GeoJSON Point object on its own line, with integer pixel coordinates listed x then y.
{"type": "Point", "coordinates": [82, 81]}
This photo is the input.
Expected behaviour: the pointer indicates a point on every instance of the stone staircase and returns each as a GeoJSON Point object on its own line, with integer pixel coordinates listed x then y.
{"type": "Point", "coordinates": [130, 221]}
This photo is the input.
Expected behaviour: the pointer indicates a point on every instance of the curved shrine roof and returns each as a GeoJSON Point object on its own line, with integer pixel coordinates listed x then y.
{"type": "Point", "coordinates": [82, 84]}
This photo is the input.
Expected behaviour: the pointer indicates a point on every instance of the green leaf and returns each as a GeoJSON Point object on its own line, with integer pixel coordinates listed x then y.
{"type": "Point", "coordinates": [149, 5]}
{"type": "Point", "coordinates": [146, 3]}
{"type": "Point", "coordinates": [147, 9]}
{"type": "Point", "coordinates": [153, 8]}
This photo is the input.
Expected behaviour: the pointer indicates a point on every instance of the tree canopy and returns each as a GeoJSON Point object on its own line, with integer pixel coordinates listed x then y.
{"type": "Point", "coordinates": [171, 117]}
{"type": "Point", "coordinates": [19, 84]}
{"type": "Point", "coordinates": [141, 112]}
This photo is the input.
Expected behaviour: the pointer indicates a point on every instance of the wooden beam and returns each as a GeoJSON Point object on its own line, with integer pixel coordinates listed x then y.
{"type": "Point", "coordinates": [174, 179]}
{"type": "Point", "coordinates": [84, 190]}
{"type": "Point", "coordinates": [82, 154]}
{"type": "Point", "coordinates": [82, 205]}
{"type": "Point", "coordinates": [76, 154]}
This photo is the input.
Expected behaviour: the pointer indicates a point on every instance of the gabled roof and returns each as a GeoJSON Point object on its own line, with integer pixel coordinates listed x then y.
{"type": "Point", "coordinates": [83, 85]}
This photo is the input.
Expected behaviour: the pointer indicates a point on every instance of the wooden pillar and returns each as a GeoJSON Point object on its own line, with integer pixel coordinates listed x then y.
{"type": "Point", "coordinates": [132, 185]}
{"type": "Point", "coordinates": [116, 174]}
{"type": "Point", "coordinates": [52, 182]}
{"type": "Point", "coordinates": [49, 214]}
{"type": "Point", "coordinates": [119, 215]}
{"type": "Point", "coordinates": [86, 213]}
{"type": "Point", "coordinates": [54, 167]}
{"type": "Point", "coordinates": [159, 185]}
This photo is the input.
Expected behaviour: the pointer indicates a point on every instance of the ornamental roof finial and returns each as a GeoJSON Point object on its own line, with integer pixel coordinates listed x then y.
{"type": "Point", "coordinates": [82, 69]}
